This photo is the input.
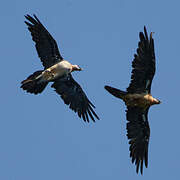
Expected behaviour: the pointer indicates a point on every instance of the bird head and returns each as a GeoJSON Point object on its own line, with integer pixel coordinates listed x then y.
{"type": "Point", "coordinates": [156, 101]}
{"type": "Point", "coordinates": [76, 68]}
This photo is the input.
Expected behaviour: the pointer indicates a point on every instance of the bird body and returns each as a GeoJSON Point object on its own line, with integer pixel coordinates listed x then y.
{"type": "Point", "coordinates": [58, 70]}
{"type": "Point", "coordinates": [142, 100]}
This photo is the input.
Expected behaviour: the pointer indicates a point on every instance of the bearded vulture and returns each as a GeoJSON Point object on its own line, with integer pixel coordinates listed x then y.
{"type": "Point", "coordinates": [56, 70]}
{"type": "Point", "coordinates": [138, 100]}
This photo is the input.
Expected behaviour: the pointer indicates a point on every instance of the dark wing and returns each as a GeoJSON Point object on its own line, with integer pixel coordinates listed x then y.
{"type": "Point", "coordinates": [46, 46]}
{"type": "Point", "coordinates": [143, 65]}
{"type": "Point", "coordinates": [73, 95]}
{"type": "Point", "coordinates": [138, 133]}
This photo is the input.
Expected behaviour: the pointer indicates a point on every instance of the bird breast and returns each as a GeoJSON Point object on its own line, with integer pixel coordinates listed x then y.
{"type": "Point", "coordinates": [60, 69]}
{"type": "Point", "coordinates": [140, 100]}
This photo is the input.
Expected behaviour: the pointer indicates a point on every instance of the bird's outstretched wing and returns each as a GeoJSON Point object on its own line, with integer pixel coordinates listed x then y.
{"type": "Point", "coordinates": [73, 95]}
{"type": "Point", "coordinates": [143, 65]}
{"type": "Point", "coordinates": [46, 46]}
{"type": "Point", "coordinates": [138, 133]}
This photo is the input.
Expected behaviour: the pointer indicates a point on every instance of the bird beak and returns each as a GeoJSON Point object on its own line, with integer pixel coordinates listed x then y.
{"type": "Point", "coordinates": [80, 69]}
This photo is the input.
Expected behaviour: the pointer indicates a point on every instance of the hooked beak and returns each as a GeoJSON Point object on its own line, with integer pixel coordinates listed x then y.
{"type": "Point", "coordinates": [79, 69]}
{"type": "Point", "coordinates": [76, 68]}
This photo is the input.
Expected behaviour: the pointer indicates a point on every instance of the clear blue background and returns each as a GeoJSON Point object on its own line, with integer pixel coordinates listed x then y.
{"type": "Point", "coordinates": [40, 137]}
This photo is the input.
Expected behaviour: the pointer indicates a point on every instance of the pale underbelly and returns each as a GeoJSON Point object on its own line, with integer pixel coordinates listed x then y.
{"type": "Point", "coordinates": [55, 72]}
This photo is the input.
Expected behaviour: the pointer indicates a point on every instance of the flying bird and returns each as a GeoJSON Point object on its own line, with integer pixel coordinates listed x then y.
{"type": "Point", "coordinates": [138, 100]}
{"type": "Point", "coordinates": [56, 70]}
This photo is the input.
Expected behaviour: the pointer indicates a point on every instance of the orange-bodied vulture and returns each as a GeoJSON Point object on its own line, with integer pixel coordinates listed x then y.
{"type": "Point", "coordinates": [56, 70]}
{"type": "Point", "coordinates": [138, 100]}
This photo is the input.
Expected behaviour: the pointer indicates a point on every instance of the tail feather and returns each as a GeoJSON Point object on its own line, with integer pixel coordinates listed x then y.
{"type": "Point", "coordinates": [33, 85]}
{"type": "Point", "coordinates": [115, 92]}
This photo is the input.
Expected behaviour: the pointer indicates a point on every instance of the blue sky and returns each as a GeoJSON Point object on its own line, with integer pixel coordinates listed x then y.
{"type": "Point", "coordinates": [40, 137]}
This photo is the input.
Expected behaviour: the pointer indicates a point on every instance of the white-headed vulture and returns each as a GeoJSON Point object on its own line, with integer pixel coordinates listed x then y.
{"type": "Point", "coordinates": [56, 70]}
{"type": "Point", "coordinates": [138, 100]}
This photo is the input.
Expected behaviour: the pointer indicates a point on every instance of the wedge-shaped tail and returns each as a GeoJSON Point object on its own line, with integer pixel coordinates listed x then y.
{"type": "Point", "coordinates": [115, 92]}
{"type": "Point", "coordinates": [33, 84]}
